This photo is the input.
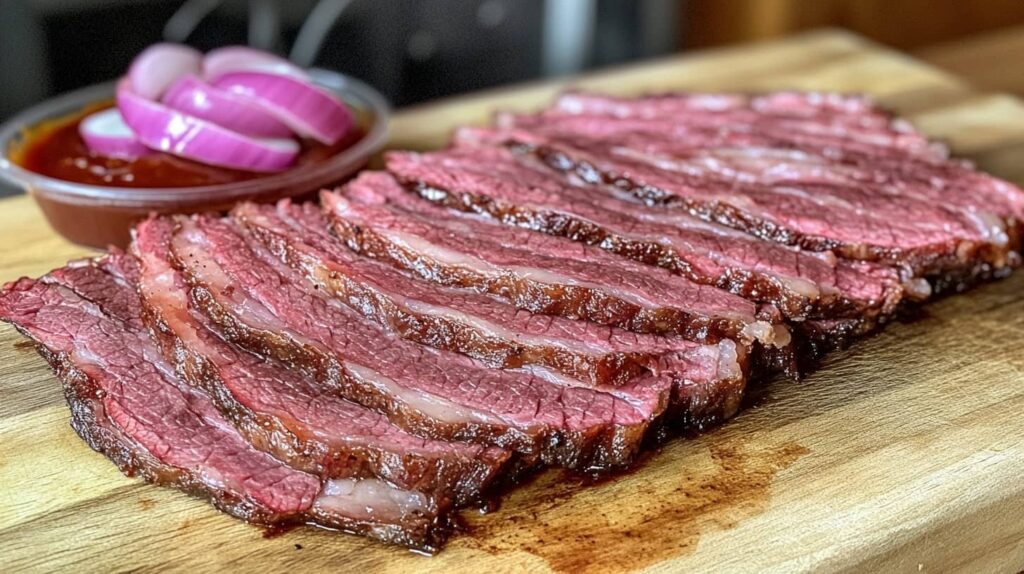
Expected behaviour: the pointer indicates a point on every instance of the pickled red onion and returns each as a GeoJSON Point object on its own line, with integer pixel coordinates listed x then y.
{"type": "Point", "coordinates": [227, 109]}
{"type": "Point", "coordinates": [241, 58]}
{"type": "Point", "coordinates": [162, 128]}
{"type": "Point", "coordinates": [307, 109]}
{"type": "Point", "coordinates": [160, 65]}
{"type": "Point", "coordinates": [241, 119]}
{"type": "Point", "coordinates": [106, 134]}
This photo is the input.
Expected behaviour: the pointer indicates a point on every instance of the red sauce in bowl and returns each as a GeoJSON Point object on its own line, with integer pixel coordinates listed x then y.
{"type": "Point", "coordinates": [156, 183]}
{"type": "Point", "coordinates": [56, 150]}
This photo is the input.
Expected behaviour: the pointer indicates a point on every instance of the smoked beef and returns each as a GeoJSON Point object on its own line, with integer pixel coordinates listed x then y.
{"type": "Point", "coordinates": [474, 324]}
{"type": "Point", "coordinates": [814, 181]}
{"type": "Point", "coordinates": [285, 413]}
{"type": "Point", "coordinates": [510, 188]}
{"type": "Point", "coordinates": [127, 403]}
{"type": "Point", "coordinates": [433, 394]}
{"type": "Point", "coordinates": [561, 289]}
{"type": "Point", "coordinates": [535, 272]}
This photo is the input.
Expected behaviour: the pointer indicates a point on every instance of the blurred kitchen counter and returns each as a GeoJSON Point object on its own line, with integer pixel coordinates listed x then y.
{"type": "Point", "coordinates": [990, 61]}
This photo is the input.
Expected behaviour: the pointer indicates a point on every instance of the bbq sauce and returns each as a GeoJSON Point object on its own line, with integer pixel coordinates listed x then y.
{"type": "Point", "coordinates": [55, 149]}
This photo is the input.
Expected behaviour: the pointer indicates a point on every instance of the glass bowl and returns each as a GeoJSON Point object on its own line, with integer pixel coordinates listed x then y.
{"type": "Point", "coordinates": [100, 216]}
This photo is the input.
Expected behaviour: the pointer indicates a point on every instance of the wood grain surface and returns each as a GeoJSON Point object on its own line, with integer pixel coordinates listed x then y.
{"type": "Point", "coordinates": [904, 453]}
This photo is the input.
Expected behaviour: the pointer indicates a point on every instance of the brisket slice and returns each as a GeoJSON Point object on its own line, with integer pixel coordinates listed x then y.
{"type": "Point", "coordinates": [866, 143]}
{"type": "Point", "coordinates": [499, 184]}
{"type": "Point", "coordinates": [126, 403]}
{"type": "Point", "coordinates": [374, 216]}
{"type": "Point", "coordinates": [475, 324]}
{"type": "Point", "coordinates": [797, 104]}
{"type": "Point", "coordinates": [282, 412]}
{"type": "Point", "coordinates": [263, 305]}
{"type": "Point", "coordinates": [784, 119]}
{"type": "Point", "coordinates": [737, 186]}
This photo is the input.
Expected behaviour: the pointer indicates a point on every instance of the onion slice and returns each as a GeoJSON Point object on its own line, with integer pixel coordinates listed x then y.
{"type": "Point", "coordinates": [308, 110]}
{"type": "Point", "coordinates": [162, 128]}
{"type": "Point", "coordinates": [106, 134]}
{"type": "Point", "coordinates": [160, 65]}
{"type": "Point", "coordinates": [241, 58]}
{"type": "Point", "coordinates": [227, 109]}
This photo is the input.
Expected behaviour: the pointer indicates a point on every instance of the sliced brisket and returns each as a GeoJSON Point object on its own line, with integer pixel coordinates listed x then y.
{"type": "Point", "coordinates": [535, 272]}
{"type": "Point", "coordinates": [127, 403]}
{"type": "Point", "coordinates": [786, 119]}
{"type": "Point", "coordinates": [259, 303]}
{"type": "Point", "coordinates": [558, 289]}
{"type": "Point", "coordinates": [476, 324]}
{"type": "Point", "coordinates": [285, 413]}
{"type": "Point", "coordinates": [863, 143]}
{"type": "Point", "coordinates": [774, 191]}
{"type": "Point", "coordinates": [499, 184]}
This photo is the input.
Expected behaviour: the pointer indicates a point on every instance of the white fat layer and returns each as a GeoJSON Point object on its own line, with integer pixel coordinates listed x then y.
{"type": "Point", "coordinates": [802, 286]}
{"type": "Point", "coordinates": [372, 500]}
{"type": "Point", "coordinates": [990, 226]}
{"type": "Point", "coordinates": [728, 361]}
{"type": "Point", "coordinates": [774, 335]}
{"type": "Point", "coordinates": [420, 245]}
{"type": "Point", "coordinates": [769, 165]}
{"type": "Point", "coordinates": [781, 336]}
{"type": "Point", "coordinates": [917, 288]}
{"type": "Point", "coordinates": [552, 278]}
{"type": "Point", "coordinates": [432, 406]}
{"type": "Point", "coordinates": [749, 165]}
{"type": "Point", "coordinates": [159, 289]}
{"type": "Point", "coordinates": [490, 329]}
{"type": "Point", "coordinates": [552, 377]}
{"type": "Point", "coordinates": [543, 373]}
{"type": "Point", "coordinates": [829, 201]}
{"type": "Point", "coordinates": [190, 246]}
{"type": "Point", "coordinates": [582, 103]}
{"type": "Point", "coordinates": [448, 256]}
{"type": "Point", "coordinates": [210, 477]}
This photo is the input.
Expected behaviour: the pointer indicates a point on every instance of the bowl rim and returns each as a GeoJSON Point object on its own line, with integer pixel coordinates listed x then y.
{"type": "Point", "coordinates": [354, 92]}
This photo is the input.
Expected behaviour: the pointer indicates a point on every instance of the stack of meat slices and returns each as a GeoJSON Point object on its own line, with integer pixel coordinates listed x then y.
{"type": "Point", "coordinates": [558, 290]}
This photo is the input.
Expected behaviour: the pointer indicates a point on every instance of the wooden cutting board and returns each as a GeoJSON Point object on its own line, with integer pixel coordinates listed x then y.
{"type": "Point", "coordinates": [904, 453]}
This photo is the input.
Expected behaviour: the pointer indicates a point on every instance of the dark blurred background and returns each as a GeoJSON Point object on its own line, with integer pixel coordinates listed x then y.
{"type": "Point", "coordinates": [415, 50]}
{"type": "Point", "coordinates": [412, 50]}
